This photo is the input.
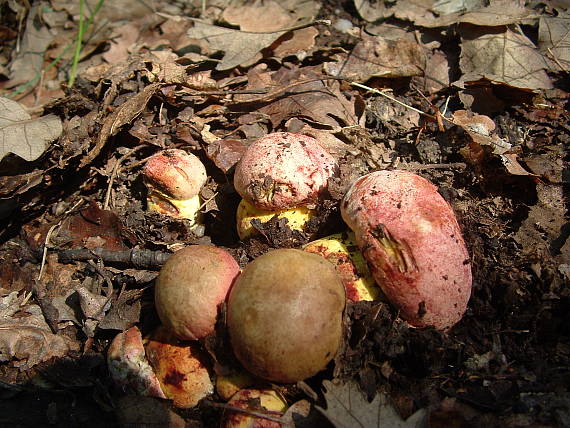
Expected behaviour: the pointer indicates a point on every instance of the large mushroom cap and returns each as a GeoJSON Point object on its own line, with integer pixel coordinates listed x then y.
{"type": "Point", "coordinates": [412, 241]}
{"type": "Point", "coordinates": [175, 173]}
{"type": "Point", "coordinates": [283, 170]}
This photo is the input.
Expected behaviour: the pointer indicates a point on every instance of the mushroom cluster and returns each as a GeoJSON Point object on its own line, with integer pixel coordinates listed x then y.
{"type": "Point", "coordinates": [284, 312]}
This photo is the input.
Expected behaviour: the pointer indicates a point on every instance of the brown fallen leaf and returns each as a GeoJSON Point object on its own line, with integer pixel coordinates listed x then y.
{"type": "Point", "coordinates": [347, 407]}
{"type": "Point", "coordinates": [554, 40]}
{"type": "Point", "coordinates": [502, 55]}
{"type": "Point", "coordinates": [375, 56]}
{"type": "Point", "coordinates": [27, 65]}
{"type": "Point", "coordinates": [25, 335]}
{"type": "Point", "coordinates": [239, 47]}
{"type": "Point", "coordinates": [22, 135]}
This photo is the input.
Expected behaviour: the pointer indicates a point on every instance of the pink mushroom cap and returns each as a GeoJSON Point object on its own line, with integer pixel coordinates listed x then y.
{"type": "Point", "coordinates": [283, 170]}
{"type": "Point", "coordinates": [175, 173]}
{"type": "Point", "coordinates": [412, 241]}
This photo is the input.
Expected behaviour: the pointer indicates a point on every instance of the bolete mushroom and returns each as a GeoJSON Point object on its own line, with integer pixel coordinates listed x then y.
{"type": "Point", "coordinates": [281, 174]}
{"type": "Point", "coordinates": [189, 288]}
{"type": "Point", "coordinates": [174, 179]}
{"type": "Point", "coordinates": [284, 315]}
{"type": "Point", "coordinates": [412, 241]}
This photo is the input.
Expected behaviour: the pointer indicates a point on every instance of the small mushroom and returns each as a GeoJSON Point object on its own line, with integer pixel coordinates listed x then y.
{"type": "Point", "coordinates": [189, 288]}
{"type": "Point", "coordinates": [128, 366]}
{"type": "Point", "coordinates": [281, 174]}
{"type": "Point", "coordinates": [412, 241]}
{"type": "Point", "coordinates": [174, 179]}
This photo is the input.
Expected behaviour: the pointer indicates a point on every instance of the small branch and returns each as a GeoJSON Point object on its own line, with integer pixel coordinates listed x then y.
{"type": "Point", "coordinates": [140, 259]}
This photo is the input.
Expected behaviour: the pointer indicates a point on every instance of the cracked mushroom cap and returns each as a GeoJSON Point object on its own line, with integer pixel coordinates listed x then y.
{"type": "Point", "coordinates": [283, 170]}
{"type": "Point", "coordinates": [175, 173]}
{"type": "Point", "coordinates": [412, 241]}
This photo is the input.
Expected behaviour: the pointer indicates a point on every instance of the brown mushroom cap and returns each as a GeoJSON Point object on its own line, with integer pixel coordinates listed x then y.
{"type": "Point", "coordinates": [189, 287]}
{"type": "Point", "coordinates": [283, 170]}
{"type": "Point", "coordinates": [284, 315]}
{"type": "Point", "coordinates": [411, 239]}
{"type": "Point", "coordinates": [175, 173]}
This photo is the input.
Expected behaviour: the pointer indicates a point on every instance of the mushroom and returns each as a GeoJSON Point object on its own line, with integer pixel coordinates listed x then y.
{"type": "Point", "coordinates": [128, 366]}
{"type": "Point", "coordinates": [412, 241]}
{"type": "Point", "coordinates": [189, 288]}
{"type": "Point", "coordinates": [160, 366]}
{"type": "Point", "coordinates": [284, 315]}
{"type": "Point", "coordinates": [341, 250]}
{"type": "Point", "coordinates": [181, 368]}
{"type": "Point", "coordinates": [174, 179]}
{"type": "Point", "coordinates": [281, 174]}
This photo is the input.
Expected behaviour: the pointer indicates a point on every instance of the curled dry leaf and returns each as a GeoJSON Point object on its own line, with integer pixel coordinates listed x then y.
{"type": "Point", "coordinates": [27, 337]}
{"type": "Point", "coordinates": [22, 135]}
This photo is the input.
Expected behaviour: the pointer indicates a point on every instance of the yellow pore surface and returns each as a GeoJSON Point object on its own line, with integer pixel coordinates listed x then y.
{"type": "Point", "coordinates": [342, 251]}
{"type": "Point", "coordinates": [246, 212]}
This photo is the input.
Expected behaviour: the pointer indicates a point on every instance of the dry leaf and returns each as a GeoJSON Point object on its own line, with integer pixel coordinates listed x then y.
{"type": "Point", "coordinates": [424, 13]}
{"type": "Point", "coordinates": [347, 407]}
{"type": "Point", "coordinates": [239, 47]}
{"type": "Point", "coordinates": [269, 15]}
{"type": "Point", "coordinates": [376, 56]}
{"type": "Point", "coordinates": [22, 135]}
{"type": "Point", "coordinates": [27, 337]}
{"type": "Point", "coordinates": [554, 40]}
{"type": "Point", "coordinates": [28, 63]}
{"type": "Point", "coordinates": [503, 56]}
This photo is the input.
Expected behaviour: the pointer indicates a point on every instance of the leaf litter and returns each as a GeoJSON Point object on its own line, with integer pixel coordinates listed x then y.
{"type": "Point", "coordinates": [467, 93]}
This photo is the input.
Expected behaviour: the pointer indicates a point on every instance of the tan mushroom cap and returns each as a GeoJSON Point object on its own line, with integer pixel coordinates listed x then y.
{"type": "Point", "coordinates": [283, 170]}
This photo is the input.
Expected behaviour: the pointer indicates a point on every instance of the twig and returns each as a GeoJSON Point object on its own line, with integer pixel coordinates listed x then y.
{"type": "Point", "coordinates": [282, 30]}
{"type": "Point", "coordinates": [140, 259]}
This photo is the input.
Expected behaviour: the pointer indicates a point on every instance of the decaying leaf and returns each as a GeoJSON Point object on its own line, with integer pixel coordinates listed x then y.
{"type": "Point", "coordinates": [442, 13]}
{"type": "Point", "coordinates": [124, 114]}
{"type": "Point", "coordinates": [347, 407]}
{"type": "Point", "coordinates": [25, 335]}
{"type": "Point", "coordinates": [503, 56]}
{"type": "Point", "coordinates": [480, 128]}
{"type": "Point", "coordinates": [22, 135]}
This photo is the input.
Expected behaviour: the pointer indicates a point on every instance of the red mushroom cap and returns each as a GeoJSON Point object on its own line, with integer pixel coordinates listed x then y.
{"type": "Point", "coordinates": [283, 170]}
{"type": "Point", "coordinates": [175, 173]}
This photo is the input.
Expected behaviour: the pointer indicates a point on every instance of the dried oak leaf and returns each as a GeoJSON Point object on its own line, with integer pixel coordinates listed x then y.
{"type": "Point", "coordinates": [22, 135]}
{"type": "Point", "coordinates": [554, 39]}
{"type": "Point", "coordinates": [25, 335]}
{"type": "Point", "coordinates": [347, 407]}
